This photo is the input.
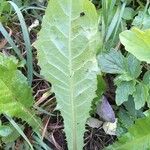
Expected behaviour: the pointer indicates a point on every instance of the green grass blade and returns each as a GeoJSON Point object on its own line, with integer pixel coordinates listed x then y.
{"type": "Point", "coordinates": [27, 42]}
{"type": "Point", "coordinates": [145, 10]}
{"type": "Point", "coordinates": [119, 20]}
{"type": "Point", "coordinates": [19, 130]}
{"type": "Point", "coordinates": [10, 41]}
{"type": "Point", "coordinates": [113, 24]}
{"type": "Point", "coordinates": [39, 141]}
{"type": "Point", "coordinates": [35, 8]}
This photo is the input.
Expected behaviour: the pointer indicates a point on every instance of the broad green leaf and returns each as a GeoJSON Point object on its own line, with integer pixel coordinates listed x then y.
{"type": "Point", "coordinates": [137, 42]}
{"type": "Point", "coordinates": [137, 138]}
{"type": "Point", "coordinates": [125, 118]}
{"type": "Point", "coordinates": [128, 69]}
{"type": "Point", "coordinates": [133, 66]}
{"type": "Point", "coordinates": [124, 89]}
{"type": "Point", "coordinates": [15, 94]}
{"type": "Point", "coordinates": [140, 95]}
{"type": "Point", "coordinates": [66, 47]}
{"type": "Point", "coordinates": [130, 106]}
{"type": "Point", "coordinates": [114, 62]}
{"type": "Point", "coordinates": [127, 115]}
{"type": "Point", "coordinates": [132, 69]}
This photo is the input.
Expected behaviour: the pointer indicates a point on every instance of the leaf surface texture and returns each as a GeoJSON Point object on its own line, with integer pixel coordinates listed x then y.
{"type": "Point", "coordinates": [15, 95]}
{"type": "Point", "coordinates": [66, 47]}
{"type": "Point", "coordinates": [137, 42]}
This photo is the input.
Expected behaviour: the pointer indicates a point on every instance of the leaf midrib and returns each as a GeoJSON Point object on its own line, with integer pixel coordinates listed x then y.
{"type": "Point", "coordinates": [74, 141]}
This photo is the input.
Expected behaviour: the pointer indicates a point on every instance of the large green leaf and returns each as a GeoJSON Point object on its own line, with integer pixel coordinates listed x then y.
{"type": "Point", "coordinates": [137, 138]}
{"type": "Point", "coordinates": [124, 89]}
{"type": "Point", "coordinates": [114, 62]}
{"type": "Point", "coordinates": [137, 42]}
{"type": "Point", "coordinates": [66, 47]}
{"type": "Point", "coordinates": [15, 94]}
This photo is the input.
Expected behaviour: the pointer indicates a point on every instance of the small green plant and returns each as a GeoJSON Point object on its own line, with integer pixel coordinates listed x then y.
{"type": "Point", "coordinates": [128, 69]}
{"type": "Point", "coordinates": [130, 87]}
